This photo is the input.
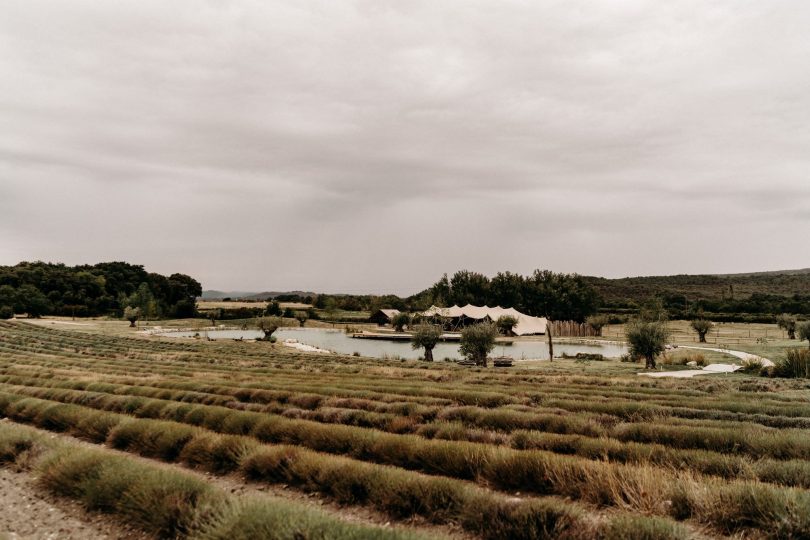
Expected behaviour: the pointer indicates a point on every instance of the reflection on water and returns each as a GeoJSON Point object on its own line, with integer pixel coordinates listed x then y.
{"type": "Point", "coordinates": [217, 334]}
{"type": "Point", "coordinates": [339, 341]}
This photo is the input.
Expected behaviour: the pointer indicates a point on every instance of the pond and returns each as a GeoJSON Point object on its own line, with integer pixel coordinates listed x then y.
{"type": "Point", "coordinates": [215, 334]}
{"type": "Point", "coordinates": [340, 342]}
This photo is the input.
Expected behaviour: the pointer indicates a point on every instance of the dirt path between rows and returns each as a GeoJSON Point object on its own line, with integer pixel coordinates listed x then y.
{"type": "Point", "coordinates": [28, 512]}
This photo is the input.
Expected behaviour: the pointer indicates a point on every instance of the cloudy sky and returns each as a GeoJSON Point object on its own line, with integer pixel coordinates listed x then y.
{"type": "Point", "coordinates": [370, 146]}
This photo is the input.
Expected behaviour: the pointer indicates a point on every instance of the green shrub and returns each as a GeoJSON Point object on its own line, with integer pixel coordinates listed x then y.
{"type": "Point", "coordinates": [217, 453]}
{"type": "Point", "coordinates": [153, 438]}
{"type": "Point", "coordinates": [643, 528]}
{"type": "Point", "coordinates": [97, 427]}
{"type": "Point", "coordinates": [162, 502]}
{"type": "Point", "coordinates": [752, 366]}
{"type": "Point", "coordinates": [529, 520]}
{"type": "Point", "coordinates": [796, 364]}
{"type": "Point", "coordinates": [738, 506]}
{"type": "Point", "coordinates": [282, 520]}
{"type": "Point", "coordinates": [15, 443]}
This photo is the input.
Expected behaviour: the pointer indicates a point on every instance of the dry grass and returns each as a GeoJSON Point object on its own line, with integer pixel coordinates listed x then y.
{"type": "Point", "coordinates": [438, 442]}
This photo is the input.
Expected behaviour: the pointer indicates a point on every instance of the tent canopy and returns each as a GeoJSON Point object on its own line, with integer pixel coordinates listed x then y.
{"type": "Point", "coordinates": [527, 325]}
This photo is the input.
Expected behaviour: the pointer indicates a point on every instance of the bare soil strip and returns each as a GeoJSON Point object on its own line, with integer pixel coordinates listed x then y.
{"type": "Point", "coordinates": [30, 513]}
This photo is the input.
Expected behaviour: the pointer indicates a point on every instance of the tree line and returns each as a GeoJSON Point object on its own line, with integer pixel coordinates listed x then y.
{"type": "Point", "coordinates": [39, 288]}
{"type": "Point", "coordinates": [558, 296]}
{"type": "Point", "coordinates": [736, 298]}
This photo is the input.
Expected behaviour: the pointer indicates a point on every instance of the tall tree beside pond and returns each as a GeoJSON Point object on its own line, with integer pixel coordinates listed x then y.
{"type": "Point", "coordinates": [477, 341]}
{"type": "Point", "coordinates": [426, 336]}
{"type": "Point", "coordinates": [647, 339]}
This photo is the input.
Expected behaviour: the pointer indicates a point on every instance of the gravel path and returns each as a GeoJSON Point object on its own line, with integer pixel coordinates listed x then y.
{"type": "Point", "coordinates": [744, 356]}
{"type": "Point", "coordinates": [30, 513]}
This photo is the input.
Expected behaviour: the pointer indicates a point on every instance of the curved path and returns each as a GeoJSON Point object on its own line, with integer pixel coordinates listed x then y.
{"type": "Point", "coordinates": [711, 368]}
{"type": "Point", "coordinates": [744, 356]}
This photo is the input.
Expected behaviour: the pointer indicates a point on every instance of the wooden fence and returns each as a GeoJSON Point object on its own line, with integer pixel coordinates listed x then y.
{"type": "Point", "coordinates": [572, 329]}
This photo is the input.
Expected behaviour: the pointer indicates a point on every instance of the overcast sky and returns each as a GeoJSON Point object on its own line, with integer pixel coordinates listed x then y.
{"type": "Point", "coordinates": [370, 146]}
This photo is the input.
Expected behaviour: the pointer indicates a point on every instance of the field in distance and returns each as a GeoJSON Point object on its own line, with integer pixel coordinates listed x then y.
{"type": "Point", "coordinates": [296, 445]}
{"type": "Point", "coordinates": [205, 305]}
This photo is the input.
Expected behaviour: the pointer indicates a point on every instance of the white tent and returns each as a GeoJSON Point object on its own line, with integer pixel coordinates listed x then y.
{"type": "Point", "coordinates": [527, 325]}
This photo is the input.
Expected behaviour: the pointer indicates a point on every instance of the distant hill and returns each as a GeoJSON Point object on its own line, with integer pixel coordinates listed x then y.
{"type": "Point", "coordinates": [770, 273]}
{"type": "Point", "coordinates": [708, 286]}
{"type": "Point", "coordinates": [267, 295]}
{"type": "Point", "coordinates": [219, 295]}
{"type": "Point", "coordinates": [243, 295]}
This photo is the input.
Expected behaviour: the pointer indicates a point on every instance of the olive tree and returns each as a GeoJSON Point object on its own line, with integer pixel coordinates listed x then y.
{"type": "Point", "coordinates": [477, 341]}
{"type": "Point", "coordinates": [273, 309]}
{"type": "Point", "coordinates": [331, 309]}
{"type": "Point", "coordinates": [506, 324]}
{"type": "Point", "coordinates": [803, 330]}
{"type": "Point", "coordinates": [702, 327]}
{"type": "Point", "coordinates": [426, 336]}
{"type": "Point", "coordinates": [132, 314]}
{"type": "Point", "coordinates": [301, 317]}
{"type": "Point", "coordinates": [597, 322]}
{"type": "Point", "coordinates": [788, 324]}
{"type": "Point", "coordinates": [268, 325]}
{"type": "Point", "coordinates": [400, 321]}
{"type": "Point", "coordinates": [647, 340]}
{"type": "Point", "coordinates": [213, 315]}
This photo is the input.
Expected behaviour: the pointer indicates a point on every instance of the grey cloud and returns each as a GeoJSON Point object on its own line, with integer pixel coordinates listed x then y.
{"type": "Point", "coordinates": [371, 146]}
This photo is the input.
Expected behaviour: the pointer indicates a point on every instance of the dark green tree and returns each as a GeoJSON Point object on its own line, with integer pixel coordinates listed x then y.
{"type": "Point", "coordinates": [468, 288]}
{"type": "Point", "coordinates": [181, 295]}
{"type": "Point", "coordinates": [8, 296]}
{"type": "Point", "coordinates": [273, 309]}
{"type": "Point", "coordinates": [144, 300]}
{"type": "Point", "coordinates": [477, 341]}
{"type": "Point", "coordinates": [32, 301]}
{"type": "Point", "coordinates": [506, 290]}
{"type": "Point", "coordinates": [440, 292]}
{"type": "Point", "coordinates": [400, 321]}
{"type": "Point", "coordinates": [561, 297]}
{"type": "Point", "coordinates": [506, 324]}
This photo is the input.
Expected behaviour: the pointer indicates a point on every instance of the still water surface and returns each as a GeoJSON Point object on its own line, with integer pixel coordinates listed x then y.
{"type": "Point", "coordinates": [339, 341]}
